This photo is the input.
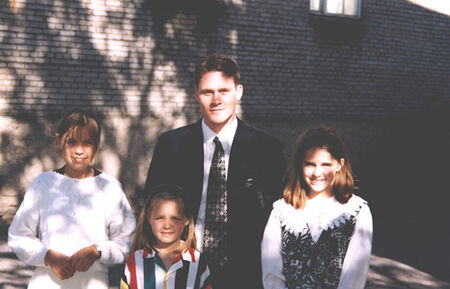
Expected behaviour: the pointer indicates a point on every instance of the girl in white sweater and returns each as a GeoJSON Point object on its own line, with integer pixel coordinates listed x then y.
{"type": "Point", "coordinates": [73, 221]}
{"type": "Point", "coordinates": [319, 235]}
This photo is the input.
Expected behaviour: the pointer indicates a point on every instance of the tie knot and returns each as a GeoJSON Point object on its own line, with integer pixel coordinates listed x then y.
{"type": "Point", "coordinates": [218, 144]}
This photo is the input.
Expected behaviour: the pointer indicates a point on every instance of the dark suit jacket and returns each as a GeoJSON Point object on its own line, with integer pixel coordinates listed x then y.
{"type": "Point", "coordinates": [255, 170]}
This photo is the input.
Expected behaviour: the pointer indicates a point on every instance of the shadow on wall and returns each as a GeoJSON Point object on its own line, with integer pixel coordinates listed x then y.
{"type": "Point", "coordinates": [318, 72]}
{"type": "Point", "coordinates": [131, 67]}
{"type": "Point", "coordinates": [411, 167]}
{"type": "Point", "coordinates": [207, 12]}
{"type": "Point", "coordinates": [407, 183]}
{"type": "Point", "coordinates": [28, 149]}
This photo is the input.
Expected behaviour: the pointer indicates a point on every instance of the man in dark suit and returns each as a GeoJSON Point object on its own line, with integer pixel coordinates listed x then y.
{"type": "Point", "coordinates": [252, 165]}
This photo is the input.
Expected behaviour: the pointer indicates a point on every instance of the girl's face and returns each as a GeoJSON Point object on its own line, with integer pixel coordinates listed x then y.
{"type": "Point", "coordinates": [319, 171]}
{"type": "Point", "coordinates": [167, 222]}
{"type": "Point", "coordinates": [78, 152]}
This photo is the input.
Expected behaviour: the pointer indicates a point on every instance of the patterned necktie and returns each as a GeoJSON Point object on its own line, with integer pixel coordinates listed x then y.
{"type": "Point", "coordinates": [214, 238]}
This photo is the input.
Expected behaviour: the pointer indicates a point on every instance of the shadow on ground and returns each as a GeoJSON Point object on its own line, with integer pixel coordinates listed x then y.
{"type": "Point", "coordinates": [384, 273]}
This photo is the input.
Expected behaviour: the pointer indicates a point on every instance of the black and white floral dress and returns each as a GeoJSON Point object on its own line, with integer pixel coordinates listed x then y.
{"type": "Point", "coordinates": [324, 245]}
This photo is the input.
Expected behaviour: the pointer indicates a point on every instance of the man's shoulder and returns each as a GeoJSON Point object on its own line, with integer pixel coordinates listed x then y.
{"type": "Point", "coordinates": [257, 135]}
{"type": "Point", "coordinates": [181, 131]}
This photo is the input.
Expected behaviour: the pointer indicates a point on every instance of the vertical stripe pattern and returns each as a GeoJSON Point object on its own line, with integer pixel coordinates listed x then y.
{"type": "Point", "coordinates": [145, 270]}
{"type": "Point", "coordinates": [149, 274]}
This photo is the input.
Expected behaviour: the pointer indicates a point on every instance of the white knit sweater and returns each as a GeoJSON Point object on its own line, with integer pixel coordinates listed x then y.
{"type": "Point", "coordinates": [66, 215]}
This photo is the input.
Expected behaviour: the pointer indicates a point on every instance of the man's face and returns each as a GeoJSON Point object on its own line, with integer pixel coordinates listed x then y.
{"type": "Point", "coordinates": [217, 95]}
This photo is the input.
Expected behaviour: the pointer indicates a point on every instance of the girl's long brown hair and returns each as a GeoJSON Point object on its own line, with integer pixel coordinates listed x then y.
{"type": "Point", "coordinates": [326, 138]}
{"type": "Point", "coordinates": [144, 237]}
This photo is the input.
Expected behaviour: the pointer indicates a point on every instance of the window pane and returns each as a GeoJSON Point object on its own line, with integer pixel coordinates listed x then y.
{"type": "Point", "coordinates": [351, 7]}
{"type": "Point", "coordinates": [334, 6]}
{"type": "Point", "coordinates": [314, 5]}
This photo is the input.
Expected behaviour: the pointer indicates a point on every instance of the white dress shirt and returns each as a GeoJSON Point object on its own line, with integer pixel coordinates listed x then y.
{"type": "Point", "coordinates": [226, 136]}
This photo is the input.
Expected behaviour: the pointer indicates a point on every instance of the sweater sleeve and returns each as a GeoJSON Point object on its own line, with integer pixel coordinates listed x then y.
{"type": "Point", "coordinates": [356, 262]}
{"type": "Point", "coordinates": [121, 227]}
{"type": "Point", "coordinates": [23, 232]}
{"type": "Point", "coordinates": [271, 260]}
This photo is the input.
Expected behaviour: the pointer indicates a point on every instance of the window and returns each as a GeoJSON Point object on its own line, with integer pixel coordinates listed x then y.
{"type": "Point", "coordinates": [342, 8]}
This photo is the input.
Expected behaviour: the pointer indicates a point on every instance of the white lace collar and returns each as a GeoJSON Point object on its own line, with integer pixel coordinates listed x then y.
{"type": "Point", "coordinates": [325, 213]}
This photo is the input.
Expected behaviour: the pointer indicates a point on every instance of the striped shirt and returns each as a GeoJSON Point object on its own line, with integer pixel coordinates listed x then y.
{"type": "Point", "coordinates": [145, 270]}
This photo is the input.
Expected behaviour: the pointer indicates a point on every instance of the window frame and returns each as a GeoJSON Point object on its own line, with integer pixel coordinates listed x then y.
{"type": "Point", "coordinates": [322, 4]}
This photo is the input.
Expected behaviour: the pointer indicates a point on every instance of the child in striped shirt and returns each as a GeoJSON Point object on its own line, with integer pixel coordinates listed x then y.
{"type": "Point", "coordinates": [164, 255]}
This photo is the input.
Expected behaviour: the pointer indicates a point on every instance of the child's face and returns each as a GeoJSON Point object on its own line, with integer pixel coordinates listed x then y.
{"type": "Point", "coordinates": [78, 152]}
{"type": "Point", "coordinates": [319, 171]}
{"type": "Point", "coordinates": [167, 223]}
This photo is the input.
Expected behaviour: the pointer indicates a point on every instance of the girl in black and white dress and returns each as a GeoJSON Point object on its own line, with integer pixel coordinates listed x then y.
{"type": "Point", "coordinates": [319, 235]}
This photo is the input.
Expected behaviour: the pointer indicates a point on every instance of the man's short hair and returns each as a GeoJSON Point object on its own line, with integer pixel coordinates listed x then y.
{"type": "Point", "coordinates": [218, 62]}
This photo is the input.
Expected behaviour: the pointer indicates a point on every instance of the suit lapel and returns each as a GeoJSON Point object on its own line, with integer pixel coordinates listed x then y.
{"type": "Point", "coordinates": [237, 162]}
{"type": "Point", "coordinates": [194, 166]}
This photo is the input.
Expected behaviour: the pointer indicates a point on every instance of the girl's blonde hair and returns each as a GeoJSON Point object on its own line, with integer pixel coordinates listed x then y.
{"type": "Point", "coordinates": [317, 137]}
{"type": "Point", "coordinates": [144, 237]}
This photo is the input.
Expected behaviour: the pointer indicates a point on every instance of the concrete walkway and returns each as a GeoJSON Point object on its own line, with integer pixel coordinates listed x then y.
{"type": "Point", "coordinates": [384, 274]}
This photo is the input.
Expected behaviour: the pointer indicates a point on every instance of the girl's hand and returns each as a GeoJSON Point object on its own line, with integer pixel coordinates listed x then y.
{"type": "Point", "coordinates": [83, 259]}
{"type": "Point", "coordinates": [60, 264]}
